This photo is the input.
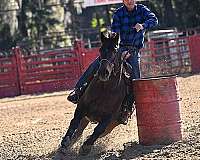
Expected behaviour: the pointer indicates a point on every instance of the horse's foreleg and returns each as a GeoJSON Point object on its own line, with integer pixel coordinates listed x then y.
{"type": "Point", "coordinates": [77, 134]}
{"type": "Point", "coordinates": [110, 127]}
{"type": "Point", "coordinates": [74, 124]}
{"type": "Point", "coordinates": [99, 129]}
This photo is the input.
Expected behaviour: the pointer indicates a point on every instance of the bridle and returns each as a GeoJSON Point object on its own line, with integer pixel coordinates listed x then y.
{"type": "Point", "coordinates": [112, 63]}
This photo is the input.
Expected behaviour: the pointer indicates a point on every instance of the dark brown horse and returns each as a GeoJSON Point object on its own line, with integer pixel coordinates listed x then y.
{"type": "Point", "coordinates": [102, 99]}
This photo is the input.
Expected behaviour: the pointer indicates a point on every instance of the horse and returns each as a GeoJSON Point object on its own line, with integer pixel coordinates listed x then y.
{"type": "Point", "coordinates": [102, 99]}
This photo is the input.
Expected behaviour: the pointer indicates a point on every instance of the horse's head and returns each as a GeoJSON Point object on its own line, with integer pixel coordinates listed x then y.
{"type": "Point", "coordinates": [108, 51]}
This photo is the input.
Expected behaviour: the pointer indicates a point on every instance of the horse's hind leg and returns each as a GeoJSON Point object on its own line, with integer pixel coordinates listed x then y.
{"type": "Point", "coordinates": [74, 124]}
{"type": "Point", "coordinates": [99, 129]}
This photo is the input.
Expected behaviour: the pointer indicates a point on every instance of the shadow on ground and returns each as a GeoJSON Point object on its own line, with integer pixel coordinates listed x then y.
{"type": "Point", "coordinates": [131, 150]}
{"type": "Point", "coordinates": [72, 154]}
{"type": "Point", "coordinates": [134, 150]}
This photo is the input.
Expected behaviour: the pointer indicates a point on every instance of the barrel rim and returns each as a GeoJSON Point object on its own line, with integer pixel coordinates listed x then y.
{"type": "Point", "coordinates": [155, 78]}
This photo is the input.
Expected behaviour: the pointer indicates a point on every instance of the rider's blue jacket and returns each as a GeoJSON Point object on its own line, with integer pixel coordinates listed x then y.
{"type": "Point", "coordinates": [124, 22]}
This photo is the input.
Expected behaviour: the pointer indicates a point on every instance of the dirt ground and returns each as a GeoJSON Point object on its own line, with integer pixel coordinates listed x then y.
{"type": "Point", "coordinates": [32, 128]}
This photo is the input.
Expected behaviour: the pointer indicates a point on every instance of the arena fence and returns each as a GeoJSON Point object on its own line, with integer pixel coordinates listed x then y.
{"type": "Point", "coordinates": [9, 77]}
{"type": "Point", "coordinates": [166, 57]}
{"type": "Point", "coordinates": [59, 69]}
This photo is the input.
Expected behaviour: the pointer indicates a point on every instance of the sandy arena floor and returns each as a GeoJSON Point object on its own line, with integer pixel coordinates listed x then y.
{"type": "Point", "coordinates": [32, 128]}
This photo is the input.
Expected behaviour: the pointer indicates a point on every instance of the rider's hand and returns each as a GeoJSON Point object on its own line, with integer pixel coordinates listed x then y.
{"type": "Point", "coordinates": [126, 55]}
{"type": "Point", "coordinates": [138, 27]}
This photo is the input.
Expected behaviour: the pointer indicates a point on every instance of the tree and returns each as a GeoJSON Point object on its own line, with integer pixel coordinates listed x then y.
{"type": "Point", "coordinates": [22, 19]}
{"type": "Point", "coordinates": [6, 40]}
{"type": "Point", "coordinates": [188, 14]}
{"type": "Point", "coordinates": [73, 25]}
{"type": "Point", "coordinates": [35, 20]}
{"type": "Point", "coordinates": [7, 26]}
{"type": "Point", "coordinates": [168, 15]}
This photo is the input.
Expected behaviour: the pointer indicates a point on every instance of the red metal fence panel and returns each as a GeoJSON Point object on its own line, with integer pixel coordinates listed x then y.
{"type": "Point", "coordinates": [86, 56]}
{"type": "Point", "coordinates": [162, 57]}
{"type": "Point", "coordinates": [165, 57]}
{"type": "Point", "coordinates": [9, 82]}
{"type": "Point", "coordinates": [52, 71]}
{"type": "Point", "coordinates": [194, 43]}
{"type": "Point", "coordinates": [60, 69]}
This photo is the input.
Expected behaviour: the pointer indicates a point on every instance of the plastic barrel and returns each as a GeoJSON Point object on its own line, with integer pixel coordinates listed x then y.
{"type": "Point", "coordinates": [157, 110]}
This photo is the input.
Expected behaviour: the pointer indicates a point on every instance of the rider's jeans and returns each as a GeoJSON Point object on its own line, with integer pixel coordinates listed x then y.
{"type": "Point", "coordinates": [133, 60]}
{"type": "Point", "coordinates": [90, 70]}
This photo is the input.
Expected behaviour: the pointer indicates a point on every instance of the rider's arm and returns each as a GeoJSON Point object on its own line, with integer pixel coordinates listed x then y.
{"type": "Point", "coordinates": [115, 26]}
{"type": "Point", "coordinates": [150, 18]}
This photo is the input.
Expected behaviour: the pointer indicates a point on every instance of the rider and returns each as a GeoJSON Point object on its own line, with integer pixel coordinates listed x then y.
{"type": "Point", "coordinates": [130, 21]}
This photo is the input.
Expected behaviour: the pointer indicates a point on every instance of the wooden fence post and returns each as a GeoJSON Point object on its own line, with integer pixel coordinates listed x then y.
{"type": "Point", "coordinates": [194, 48]}
{"type": "Point", "coordinates": [80, 52]}
{"type": "Point", "coordinates": [20, 69]}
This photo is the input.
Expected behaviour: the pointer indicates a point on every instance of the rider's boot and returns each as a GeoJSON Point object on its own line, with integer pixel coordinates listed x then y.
{"type": "Point", "coordinates": [76, 94]}
{"type": "Point", "coordinates": [83, 82]}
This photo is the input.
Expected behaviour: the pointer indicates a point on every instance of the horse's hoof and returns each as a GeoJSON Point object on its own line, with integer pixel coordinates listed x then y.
{"type": "Point", "coordinates": [66, 142]}
{"type": "Point", "coordinates": [85, 150]}
{"type": "Point", "coordinates": [62, 150]}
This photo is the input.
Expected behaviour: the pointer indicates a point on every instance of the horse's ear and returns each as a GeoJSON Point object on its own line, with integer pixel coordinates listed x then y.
{"type": "Point", "coordinates": [103, 38]}
{"type": "Point", "coordinates": [116, 38]}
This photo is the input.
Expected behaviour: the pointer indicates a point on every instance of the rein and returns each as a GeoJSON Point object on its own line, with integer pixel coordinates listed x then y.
{"type": "Point", "coordinates": [120, 75]}
{"type": "Point", "coordinates": [121, 67]}
{"type": "Point", "coordinates": [105, 60]}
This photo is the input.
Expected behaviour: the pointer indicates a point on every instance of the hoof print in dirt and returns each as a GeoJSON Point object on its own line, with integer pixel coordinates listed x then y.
{"type": "Point", "coordinates": [85, 150]}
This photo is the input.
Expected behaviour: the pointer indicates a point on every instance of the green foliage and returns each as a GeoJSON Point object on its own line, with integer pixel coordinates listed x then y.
{"type": "Point", "coordinates": [38, 19]}
{"type": "Point", "coordinates": [182, 14]}
{"type": "Point", "coordinates": [6, 40]}
{"type": "Point", "coordinates": [35, 19]}
{"type": "Point", "coordinates": [188, 13]}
